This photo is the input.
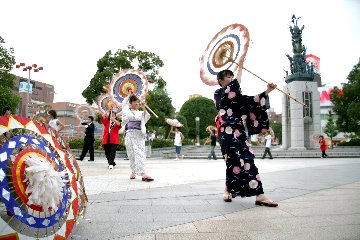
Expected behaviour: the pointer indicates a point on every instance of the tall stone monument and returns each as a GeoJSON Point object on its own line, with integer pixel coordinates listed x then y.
{"type": "Point", "coordinates": [300, 123]}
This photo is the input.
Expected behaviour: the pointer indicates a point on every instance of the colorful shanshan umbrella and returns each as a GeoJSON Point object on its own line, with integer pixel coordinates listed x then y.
{"type": "Point", "coordinates": [41, 186]}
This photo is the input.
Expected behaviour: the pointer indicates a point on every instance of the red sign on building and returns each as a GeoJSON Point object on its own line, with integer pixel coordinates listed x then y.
{"type": "Point", "coordinates": [315, 60]}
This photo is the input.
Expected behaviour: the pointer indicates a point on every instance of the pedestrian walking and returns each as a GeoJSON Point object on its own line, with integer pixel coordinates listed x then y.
{"type": "Point", "coordinates": [212, 139]}
{"type": "Point", "coordinates": [178, 139]}
{"type": "Point", "coordinates": [323, 147]}
{"type": "Point", "coordinates": [242, 176]}
{"type": "Point", "coordinates": [135, 121]}
{"type": "Point", "coordinates": [150, 138]}
{"type": "Point", "coordinates": [89, 139]}
{"type": "Point", "coordinates": [268, 139]}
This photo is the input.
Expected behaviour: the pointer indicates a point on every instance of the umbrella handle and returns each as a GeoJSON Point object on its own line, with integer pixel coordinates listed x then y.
{"type": "Point", "coordinates": [150, 110]}
{"type": "Point", "coordinates": [223, 54]}
{"type": "Point", "coordinates": [170, 131]}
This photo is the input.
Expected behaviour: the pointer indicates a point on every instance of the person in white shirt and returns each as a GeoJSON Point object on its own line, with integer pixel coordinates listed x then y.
{"type": "Point", "coordinates": [55, 123]}
{"type": "Point", "coordinates": [179, 137]}
{"type": "Point", "coordinates": [268, 139]}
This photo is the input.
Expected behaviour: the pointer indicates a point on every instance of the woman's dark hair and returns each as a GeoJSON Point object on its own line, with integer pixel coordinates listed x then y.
{"type": "Point", "coordinates": [91, 118]}
{"type": "Point", "coordinates": [52, 113]}
{"type": "Point", "coordinates": [133, 98]}
{"type": "Point", "coordinates": [5, 109]}
{"type": "Point", "coordinates": [224, 73]}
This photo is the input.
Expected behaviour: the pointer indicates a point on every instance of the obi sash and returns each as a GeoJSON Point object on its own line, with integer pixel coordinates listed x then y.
{"type": "Point", "coordinates": [133, 125]}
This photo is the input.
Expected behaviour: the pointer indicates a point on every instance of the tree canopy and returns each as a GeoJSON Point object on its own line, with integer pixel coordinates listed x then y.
{"type": "Point", "coordinates": [110, 64]}
{"type": "Point", "coordinates": [277, 128]}
{"type": "Point", "coordinates": [330, 128]}
{"type": "Point", "coordinates": [199, 107]}
{"type": "Point", "coordinates": [7, 61]}
{"type": "Point", "coordinates": [160, 102]}
{"type": "Point", "coordinates": [347, 103]}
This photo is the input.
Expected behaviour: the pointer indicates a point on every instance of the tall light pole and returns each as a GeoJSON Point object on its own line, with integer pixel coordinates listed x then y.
{"type": "Point", "coordinates": [197, 121]}
{"type": "Point", "coordinates": [35, 68]}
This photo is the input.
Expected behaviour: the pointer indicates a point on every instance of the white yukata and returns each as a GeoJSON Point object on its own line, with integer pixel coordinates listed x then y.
{"type": "Point", "coordinates": [54, 124]}
{"type": "Point", "coordinates": [134, 122]}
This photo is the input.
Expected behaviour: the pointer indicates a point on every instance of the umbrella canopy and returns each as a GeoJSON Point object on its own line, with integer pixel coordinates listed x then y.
{"type": "Point", "coordinates": [41, 187]}
{"type": "Point", "coordinates": [173, 122]}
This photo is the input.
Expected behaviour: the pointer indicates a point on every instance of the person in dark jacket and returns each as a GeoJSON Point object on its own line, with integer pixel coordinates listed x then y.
{"type": "Point", "coordinates": [212, 139]}
{"type": "Point", "coordinates": [89, 139]}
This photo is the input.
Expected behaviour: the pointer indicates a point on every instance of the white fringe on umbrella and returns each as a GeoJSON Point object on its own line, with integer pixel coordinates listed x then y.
{"type": "Point", "coordinates": [45, 185]}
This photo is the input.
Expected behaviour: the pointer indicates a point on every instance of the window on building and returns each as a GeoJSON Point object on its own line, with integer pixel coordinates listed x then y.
{"type": "Point", "coordinates": [65, 113]}
{"type": "Point", "coordinates": [307, 112]}
{"type": "Point", "coordinates": [288, 109]}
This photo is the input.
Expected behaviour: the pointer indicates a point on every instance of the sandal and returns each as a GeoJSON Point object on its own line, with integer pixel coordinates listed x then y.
{"type": "Point", "coordinates": [267, 203]}
{"type": "Point", "coordinates": [147, 179]}
{"type": "Point", "coordinates": [227, 197]}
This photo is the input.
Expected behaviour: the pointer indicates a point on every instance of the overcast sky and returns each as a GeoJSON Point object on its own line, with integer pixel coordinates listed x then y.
{"type": "Point", "coordinates": [68, 37]}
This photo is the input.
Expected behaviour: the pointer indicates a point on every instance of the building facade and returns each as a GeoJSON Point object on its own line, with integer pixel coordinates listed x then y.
{"type": "Point", "coordinates": [40, 94]}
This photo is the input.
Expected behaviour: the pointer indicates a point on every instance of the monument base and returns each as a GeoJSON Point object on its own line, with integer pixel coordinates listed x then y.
{"type": "Point", "coordinates": [296, 148]}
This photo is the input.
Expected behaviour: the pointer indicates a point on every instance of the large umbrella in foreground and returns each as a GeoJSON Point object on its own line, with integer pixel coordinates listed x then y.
{"type": "Point", "coordinates": [41, 188]}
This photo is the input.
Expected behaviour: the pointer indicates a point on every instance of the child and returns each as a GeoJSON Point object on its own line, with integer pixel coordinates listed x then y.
{"type": "Point", "coordinates": [179, 137]}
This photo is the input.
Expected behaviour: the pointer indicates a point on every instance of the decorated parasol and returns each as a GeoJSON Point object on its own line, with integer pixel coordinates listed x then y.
{"type": "Point", "coordinates": [127, 80]}
{"type": "Point", "coordinates": [41, 186]}
{"type": "Point", "coordinates": [227, 50]}
{"type": "Point", "coordinates": [173, 122]}
{"type": "Point", "coordinates": [83, 111]}
{"type": "Point", "coordinates": [40, 117]}
{"type": "Point", "coordinates": [316, 137]}
{"type": "Point", "coordinates": [210, 128]}
{"type": "Point", "coordinates": [105, 104]}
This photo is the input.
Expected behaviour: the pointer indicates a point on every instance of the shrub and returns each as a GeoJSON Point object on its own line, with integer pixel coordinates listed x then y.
{"type": "Point", "coordinates": [352, 142]}
{"type": "Point", "coordinates": [161, 143]}
{"type": "Point", "coordinates": [76, 143]}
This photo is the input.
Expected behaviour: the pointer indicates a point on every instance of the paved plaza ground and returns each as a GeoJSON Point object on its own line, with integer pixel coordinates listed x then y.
{"type": "Point", "coordinates": [318, 199]}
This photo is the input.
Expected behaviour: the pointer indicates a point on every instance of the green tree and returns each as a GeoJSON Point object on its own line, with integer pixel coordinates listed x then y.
{"type": "Point", "coordinates": [199, 107]}
{"type": "Point", "coordinates": [277, 128]}
{"type": "Point", "coordinates": [330, 128]}
{"type": "Point", "coordinates": [7, 61]}
{"type": "Point", "coordinates": [160, 102]}
{"type": "Point", "coordinates": [110, 64]}
{"type": "Point", "coordinates": [347, 103]}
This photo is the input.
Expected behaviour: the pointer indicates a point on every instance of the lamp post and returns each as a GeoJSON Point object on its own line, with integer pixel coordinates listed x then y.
{"type": "Point", "coordinates": [35, 68]}
{"type": "Point", "coordinates": [197, 121]}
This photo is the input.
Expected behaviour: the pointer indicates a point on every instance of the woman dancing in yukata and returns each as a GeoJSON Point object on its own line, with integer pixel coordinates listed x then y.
{"type": "Point", "coordinates": [236, 110]}
{"type": "Point", "coordinates": [134, 122]}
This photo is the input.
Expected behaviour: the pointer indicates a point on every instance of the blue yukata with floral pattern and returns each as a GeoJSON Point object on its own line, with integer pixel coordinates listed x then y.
{"type": "Point", "coordinates": [236, 110]}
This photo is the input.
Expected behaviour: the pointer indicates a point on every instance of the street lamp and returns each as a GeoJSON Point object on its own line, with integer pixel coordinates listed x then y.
{"type": "Point", "coordinates": [35, 68]}
{"type": "Point", "coordinates": [197, 120]}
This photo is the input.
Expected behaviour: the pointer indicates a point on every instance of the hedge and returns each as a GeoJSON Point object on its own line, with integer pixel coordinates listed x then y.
{"type": "Point", "coordinates": [352, 142]}
{"type": "Point", "coordinates": [78, 143]}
